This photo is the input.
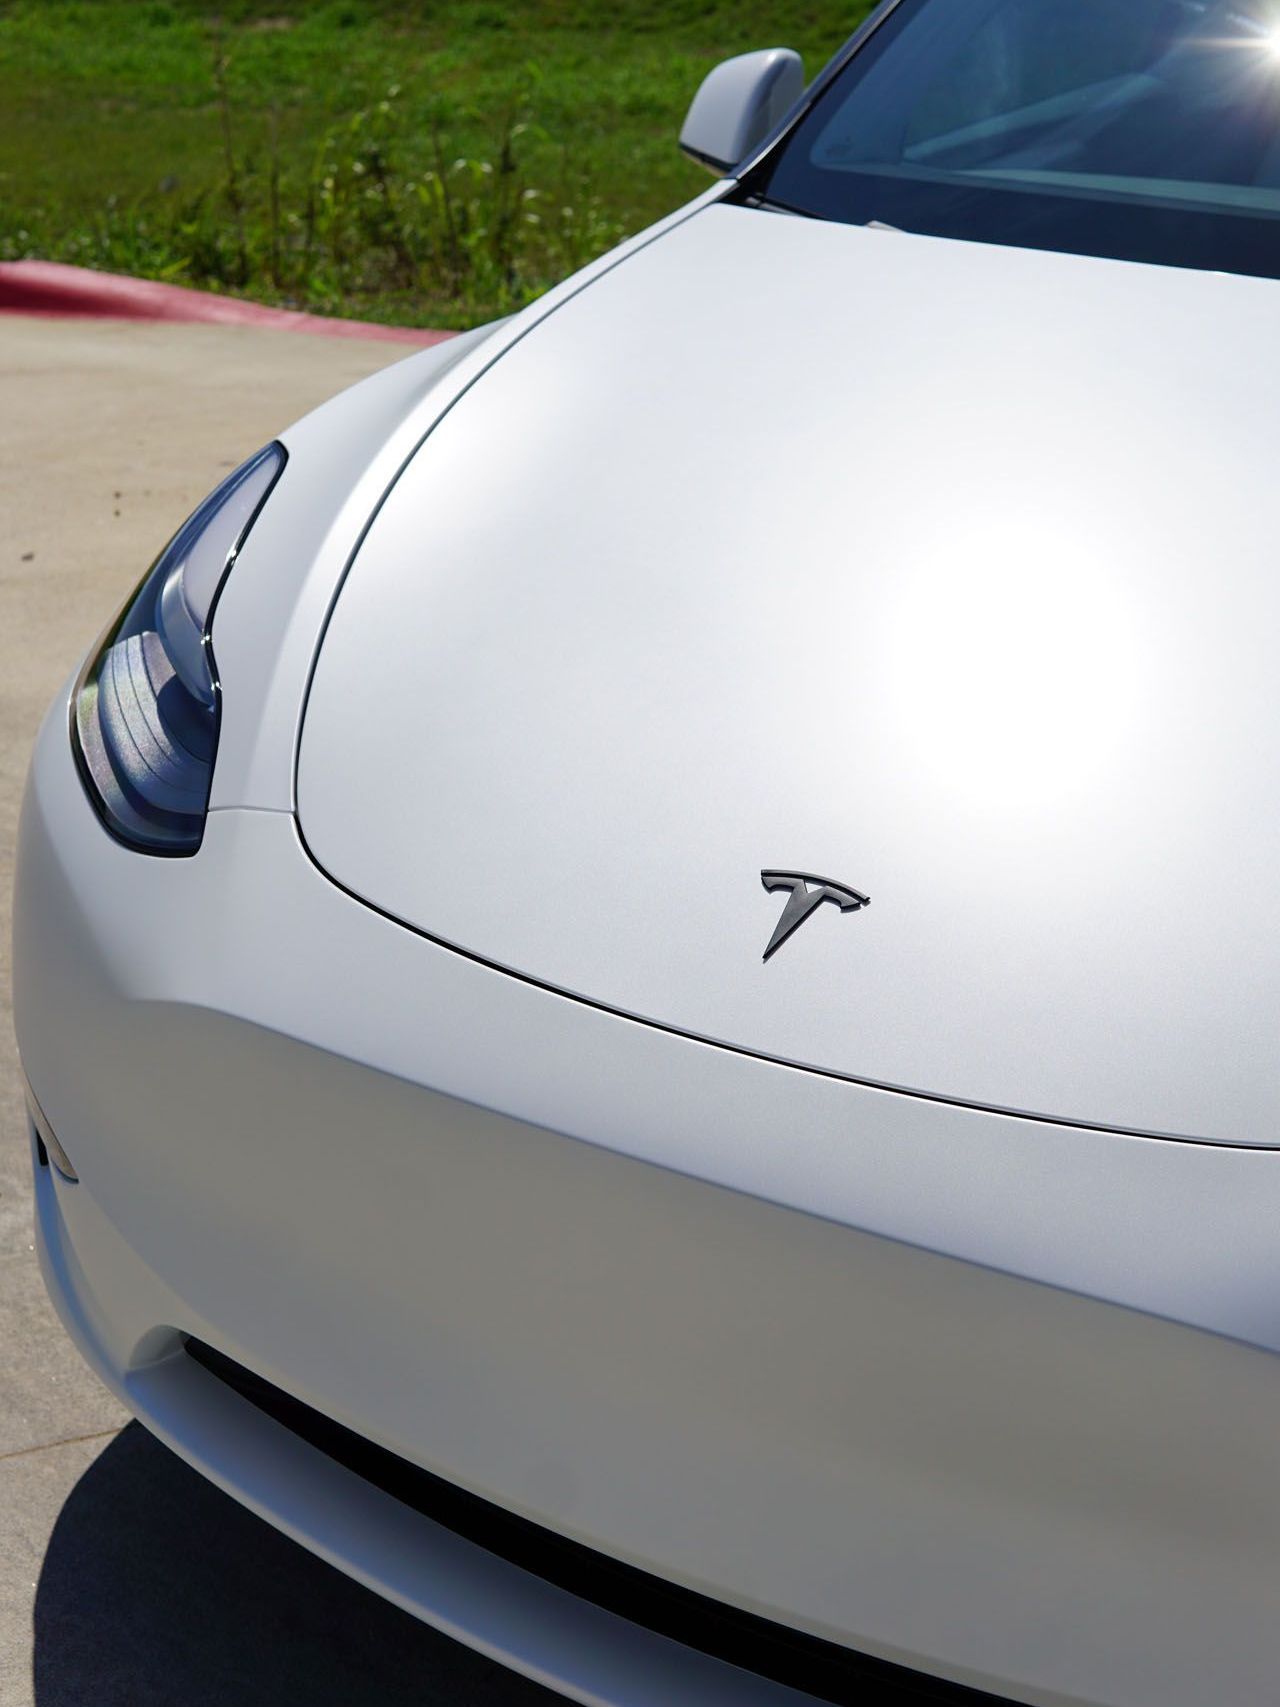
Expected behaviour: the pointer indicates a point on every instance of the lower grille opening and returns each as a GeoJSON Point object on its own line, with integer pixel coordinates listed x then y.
{"type": "Point", "coordinates": [815, 1667]}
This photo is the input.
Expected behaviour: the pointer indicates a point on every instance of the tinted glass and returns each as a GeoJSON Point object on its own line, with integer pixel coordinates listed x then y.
{"type": "Point", "coordinates": [1146, 129]}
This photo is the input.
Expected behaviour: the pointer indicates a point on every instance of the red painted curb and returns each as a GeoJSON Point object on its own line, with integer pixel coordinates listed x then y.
{"type": "Point", "coordinates": [53, 288]}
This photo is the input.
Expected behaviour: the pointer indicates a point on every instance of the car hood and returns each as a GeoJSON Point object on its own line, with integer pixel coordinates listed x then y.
{"type": "Point", "coordinates": [944, 571]}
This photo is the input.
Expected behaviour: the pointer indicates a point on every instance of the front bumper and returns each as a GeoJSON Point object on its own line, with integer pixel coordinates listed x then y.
{"type": "Point", "coordinates": [991, 1398]}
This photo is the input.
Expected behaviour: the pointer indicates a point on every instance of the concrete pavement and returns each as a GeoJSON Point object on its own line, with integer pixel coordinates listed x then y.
{"type": "Point", "coordinates": [125, 1579]}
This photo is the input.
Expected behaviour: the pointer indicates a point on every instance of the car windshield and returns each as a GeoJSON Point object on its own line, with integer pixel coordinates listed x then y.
{"type": "Point", "coordinates": [1143, 129]}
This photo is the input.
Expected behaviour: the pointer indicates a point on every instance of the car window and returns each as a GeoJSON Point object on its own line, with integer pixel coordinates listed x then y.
{"type": "Point", "coordinates": [1144, 129]}
{"type": "Point", "coordinates": [1021, 57]}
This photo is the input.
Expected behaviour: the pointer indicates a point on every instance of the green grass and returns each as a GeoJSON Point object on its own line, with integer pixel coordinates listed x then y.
{"type": "Point", "coordinates": [431, 164]}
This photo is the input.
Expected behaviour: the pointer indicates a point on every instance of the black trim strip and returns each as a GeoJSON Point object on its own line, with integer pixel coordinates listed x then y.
{"type": "Point", "coordinates": [764, 149]}
{"type": "Point", "coordinates": [820, 1669]}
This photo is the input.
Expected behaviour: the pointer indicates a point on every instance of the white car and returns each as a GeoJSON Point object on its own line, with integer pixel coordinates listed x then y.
{"type": "Point", "coordinates": [649, 962]}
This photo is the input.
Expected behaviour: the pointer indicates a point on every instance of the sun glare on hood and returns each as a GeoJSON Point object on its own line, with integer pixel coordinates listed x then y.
{"type": "Point", "coordinates": [1017, 677]}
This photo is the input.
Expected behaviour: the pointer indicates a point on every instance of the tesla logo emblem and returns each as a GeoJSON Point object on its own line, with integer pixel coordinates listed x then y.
{"type": "Point", "coordinates": [807, 895]}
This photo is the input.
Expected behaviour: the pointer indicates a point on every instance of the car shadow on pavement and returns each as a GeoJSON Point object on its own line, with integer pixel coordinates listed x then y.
{"type": "Point", "coordinates": [158, 1590]}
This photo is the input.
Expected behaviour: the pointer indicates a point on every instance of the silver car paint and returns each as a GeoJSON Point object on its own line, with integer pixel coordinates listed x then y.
{"type": "Point", "coordinates": [991, 1396]}
{"type": "Point", "coordinates": [343, 457]}
{"type": "Point", "coordinates": [780, 1338]}
{"type": "Point", "coordinates": [957, 585]}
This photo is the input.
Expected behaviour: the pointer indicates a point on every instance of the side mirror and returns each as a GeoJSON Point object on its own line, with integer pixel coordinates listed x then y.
{"type": "Point", "coordinates": [738, 105]}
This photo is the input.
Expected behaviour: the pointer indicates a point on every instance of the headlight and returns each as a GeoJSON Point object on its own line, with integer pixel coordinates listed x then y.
{"type": "Point", "coordinates": [146, 708]}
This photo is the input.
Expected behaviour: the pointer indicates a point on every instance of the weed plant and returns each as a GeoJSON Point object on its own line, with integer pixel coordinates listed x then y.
{"type": "Point", "coordinates": [432, 164]}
